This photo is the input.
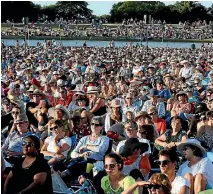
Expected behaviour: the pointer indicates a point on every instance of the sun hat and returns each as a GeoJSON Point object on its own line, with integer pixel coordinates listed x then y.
{"type": "Point", "coordinates": [151, 66]}
{"type": "Point", "coordinates": [131, 144]}
{"type": "Point", "coordinates": [92, 89]}
{"type": "Point", "coordinates": [55, 73]}
{"type": "Point", "coordinates": [181, 93]}
{"type": "Point", "coordinates": [51, 111]}
{"type": "Point", "coordinates": [37, 92]}
{"type": "Point", "coordinates": [142, 114]}
{"type": "Point", "coordinates": [115, 103]}
{"type": "Point", "coordinates": [193, 142]}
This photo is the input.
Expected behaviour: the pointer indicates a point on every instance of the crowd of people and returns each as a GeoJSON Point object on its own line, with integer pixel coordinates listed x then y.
{"type": "Point", "coordinates": [128, 29]}
{"type": "Point", "coordinates": [129, 119]}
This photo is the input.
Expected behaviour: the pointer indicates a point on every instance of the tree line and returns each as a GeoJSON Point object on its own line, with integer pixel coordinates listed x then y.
{"type": "Point", "coordinates": [180, 11]}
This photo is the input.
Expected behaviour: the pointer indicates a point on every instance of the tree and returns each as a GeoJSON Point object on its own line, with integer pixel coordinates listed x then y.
{"type": "Point", "coordinates": [73, 9]}
{"type": "Point", "coordinates": [16, 10]}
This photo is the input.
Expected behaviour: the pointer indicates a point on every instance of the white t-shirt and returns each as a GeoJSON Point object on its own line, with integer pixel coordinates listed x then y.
{"type": "Point", "coordinates": [204, 166]}
{"type": "Point", "coordinates": [50, 142]}
{"type": "Point", "coordinates": [179, 182]}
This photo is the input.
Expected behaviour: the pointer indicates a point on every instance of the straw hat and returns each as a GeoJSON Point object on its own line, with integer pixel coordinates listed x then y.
{"type": "Point", "coordinates": [51, 111]}
{"type": "Point", "coordinates": [37, 92]}
{"type": "Point", "coordinates": [115, 103]}
{"type": "Point", "coordinates": [92, 89]}
{"type": "Point", "coordinates": [32, 88]}
{"type": "Point", "coordinates": [193, 142]}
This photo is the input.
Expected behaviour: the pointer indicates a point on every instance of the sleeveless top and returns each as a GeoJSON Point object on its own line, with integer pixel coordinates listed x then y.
{"type": "Point", "coordinates": [171, 138]}
{"type": "Point", "coordinates": [101, 111]}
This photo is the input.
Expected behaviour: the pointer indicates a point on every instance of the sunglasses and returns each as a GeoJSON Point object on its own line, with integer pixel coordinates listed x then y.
{"type": "Point", "coordinates": [153, 113]}
{"type": "Point", "coordinates": [110, 166]}
{"type": "Point", "coordinates": [28, 144]}
{"type": "Point", "coordinates": [129, 98]}
{"type": "Point", "coordinates": [97, 125]}
{"type": "Point", "coordinates": [14, 112]}
{"type": "Point", "coordinates": [53, 128]}
{"type": "Point", "coordinates": [20, 122]}
{"type": "Point", "coordinates": [185, 148]}
{"type": "Point", "coordinates": [156, 186]}
{"type": "Point", "coordinates": [163, 162]}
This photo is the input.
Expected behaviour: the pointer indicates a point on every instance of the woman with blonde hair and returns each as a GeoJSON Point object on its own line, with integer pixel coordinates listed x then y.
{"type": "Point", "coordinates": [157, 184]}
{"type": "Point", "coordinates": [56, 146]}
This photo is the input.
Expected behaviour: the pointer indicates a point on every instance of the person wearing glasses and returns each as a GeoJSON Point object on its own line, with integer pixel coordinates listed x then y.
{"type": "Point", "coordinates": [56, 146]}
{"type": "Point", "coordinates": [115, 181]}
{"type": "Point", "coordinates": [12, 145]}
{"type": "Point", "coordinates": [89, 149]}
{"type": "Point", "coordinates": [168, 161]}
{"type": "Point", "coordinates": [32, 174]}
{"type": "Point", "coordinates": [197, 168]}
{"type": "Point", "coordinates": [159, 123]}
{"type": "Point", "coordinates": [157, 184]}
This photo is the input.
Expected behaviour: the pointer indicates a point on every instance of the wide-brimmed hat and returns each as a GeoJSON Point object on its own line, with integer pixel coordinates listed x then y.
{"type": "Point", "coordinates": [142, 114]}
{"type": "Point", "coordinates": [115, 103]}
{"type": "Point", "coordinates": [131, 144]}
{"type": "Point", "coordinates": [181, 93]}
{"type": "Point", "coordinates": [37, 92]}
{"type": "Point", "coordinates": [92, 89]}
{"type": "Point", "coordinates": [32, 88]}
{"type": "Point", "coordinates": [51, 111]}
{"type": "Point", "coordinates": [193, 142]}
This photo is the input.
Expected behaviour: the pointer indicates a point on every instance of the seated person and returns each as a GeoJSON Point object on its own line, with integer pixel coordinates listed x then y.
{"type": "Point", "coordinates": [131, 130]}
{"type": "Point", "coordinates": [13, 144]}
{"type": "Point", "coordinates": [134, 160]}
{"type": "Point", "coordinates": [158, 183]}
{"type": "Point", "coordinates": [32, 174]}
{"type": "Point", "coordinates": [198, 168]}
{"type": "Point", "coordinates": [168, 160]}
{"type": "Point", "coordinates": [56, 146]}
{"type": "Point", "coordinates": [172, 137]}
{"type": "Point", "coordinates": [91, 147]}
{"type": "Point", "coordinates": [115, 181]}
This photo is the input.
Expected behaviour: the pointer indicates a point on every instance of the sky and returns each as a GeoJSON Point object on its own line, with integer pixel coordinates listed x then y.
{"type": "Point", "coordinates": [104, 7]}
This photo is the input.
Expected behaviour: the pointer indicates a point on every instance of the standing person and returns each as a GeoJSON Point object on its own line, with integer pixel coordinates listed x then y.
{"type": "Point", "coordinates": [168, 160]}
{"type": "Point", "coordinates": [115, 182]}
{"type": "Point", "coordinates": [32, 174]}
{"type": "Point", "coordinates": [198, 168]}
